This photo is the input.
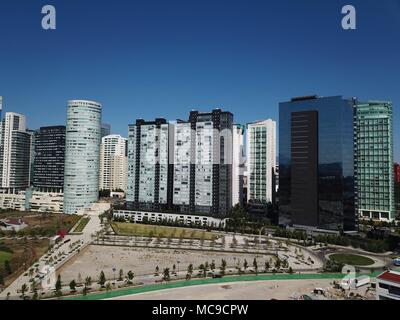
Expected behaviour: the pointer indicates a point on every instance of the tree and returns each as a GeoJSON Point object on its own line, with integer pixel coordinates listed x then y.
{"type": "Point", "coordinates": [130, 276]}
{"type": "Point", "coordinates": [102, 279]}
{"type": "Point", "coordinates": [290, 270]}
{"type": "Point", "coordinates": [121, 275]}
{"type": "Point", "coordinates": [166, 276]}
{"type": "Point", "coordinates": [278, 263]}
{"type": "Point", "coordinates": [267, 266]}
{"type": "Point", "coordinates": [58, 286]}
{"type": "Point", "coordinates": [24, 287]}
{"type": "Point", "coordinates": [190, 269]}
{"type": "Point", "coordinates": [7, 267]}
{"type": "Point", "coordinates": [255, 265]}
{"type": "Point", "coordinates": [72, 286]}
{"type": "Point", "coordinates": [108, 286]}
{"type": "Point", "coordinates": [212, 265]}
{"type": "Point", "coordinates": [245, 264]}
{"type": "Point", "coordinates": [157, 270]}
{"type": "Point", "coordinates": [88, 281]}
{"type": "Point", "coordinates": [223, 267]}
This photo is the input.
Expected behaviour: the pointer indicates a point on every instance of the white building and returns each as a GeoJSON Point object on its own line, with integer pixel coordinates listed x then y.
{"type": "Point", "coordinates": [141, 216]}
{"type": "Point", "coordinates": [82, 155]}
{"type": "Point", "coordinates": [261, 160]}
{"type": "Point", "coordinates": [238, 159]}
{"type": "Point", "coordinates": [15, 157]}
{"type": "Point", "coordinates": [388, 286]}
{"type": "Point", "coordinates": [113, 163]}
{"type": "Point", "coordinates": [148, 164]}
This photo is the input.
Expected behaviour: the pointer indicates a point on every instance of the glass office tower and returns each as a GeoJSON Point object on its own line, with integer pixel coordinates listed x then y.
{"type": "Point", "coordinates": [374, 160]}
{"type": "Point", "coordinates": [316, 163]}
{"type": "Point", "coordinates": [82, 155]}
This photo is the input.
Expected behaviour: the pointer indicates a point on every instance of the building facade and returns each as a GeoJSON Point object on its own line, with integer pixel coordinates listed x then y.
{"type": "Point", "coordinates": [113, 163]}
{"type": "Point", "coordinates": [105, 129]}
{"type": "Point", "coordinates": [316, 163]}
{"type": "Point", "coordinates": [48, 172]}
{"type": "Point", "coordinates": [396, 172]}
{"type": "Point", "coordinates": [388, 285]}
{"type": "Point", "coordinates": [374, 161]}
{"type": "Point", "coordinates": [261, 161]}
{"type": "Point", "coordinates": [15, 152]}
{"type": "Point", "coordinates": [82, 155]}
{"type": "Point", "coordinates": [184, 166]}
{"type": "Point", "coordinates": [238, 158]}
{"type": "Point", "coordinates": [148, 165]}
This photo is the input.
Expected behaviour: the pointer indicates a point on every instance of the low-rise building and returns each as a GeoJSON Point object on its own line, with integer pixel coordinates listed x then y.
{"type": "Point", "coordinates": [142, 216]}
{"type": "Point", "coordinates": [388, 285]}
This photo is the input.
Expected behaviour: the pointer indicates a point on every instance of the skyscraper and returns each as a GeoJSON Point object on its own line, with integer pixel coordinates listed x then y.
{"type": "Point", "coordinates": [113, 163]}
{"type": "Point", "coordinates": [202, 151]}
{"type": "Point", "coordinates": [374, 160]}
{"type": "Point", "coordinates": [82, 155]}
{"type": "Point", "coordinates": [148, 165]}
{"type": "Point", "coordinates": [14, 152]}
{"type": "Point", "coordinates": [237, 164]}
{"type": "Point", "coordinates": [49, 158]}
{"type": "Point", "coordinates": [261, 161]}
{"type": "Point", "coordinates": [316, 163]}
{"type": "Point", "coordinates": [185, 166]}
{"type": "Point", "coordinates": [105, 129]}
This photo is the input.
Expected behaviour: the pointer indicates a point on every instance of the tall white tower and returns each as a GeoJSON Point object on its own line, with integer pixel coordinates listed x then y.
{"type": "Point", "coordinates": [82, 155]}
{"type": "Point", "coordinates": [113, 163]}
{"type": "Point", "coordinates": [237, 164]}
{"type": "Point", "coordinates": [261, 160]}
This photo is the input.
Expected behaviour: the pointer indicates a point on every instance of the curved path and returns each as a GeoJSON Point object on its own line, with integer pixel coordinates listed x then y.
{"type": "Point", "coordinates": [196, 282]}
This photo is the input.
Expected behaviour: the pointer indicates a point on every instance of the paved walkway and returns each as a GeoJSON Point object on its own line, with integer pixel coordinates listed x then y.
{"type": "Point", "coordinates": [180, 284]}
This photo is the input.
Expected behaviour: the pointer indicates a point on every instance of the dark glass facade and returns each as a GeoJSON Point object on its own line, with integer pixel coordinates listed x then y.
{"type": "Point", "coordinates": [49, 158]}
{"type": "Point", "coordinates": [316, 163]}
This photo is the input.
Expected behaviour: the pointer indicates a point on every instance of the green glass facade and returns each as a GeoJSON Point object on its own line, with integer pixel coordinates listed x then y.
{"type": "Point", "coordinates": [374, 161]}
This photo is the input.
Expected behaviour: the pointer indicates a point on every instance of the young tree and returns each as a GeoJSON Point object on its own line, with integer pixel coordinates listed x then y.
{"type": "Point", "coordinates": [166, 276]}
{"type": "Point", "coordinates": [245, 264]}
{"type": "Point", "coordinates": [190, 269]}
{"type": "Point", "coordinates": [24, 287]}
{"type": "Point", "coordinates": [7, 267]}
{"type": "Point", "coordinates": [58, 286]}
{"type": "Point", "coordinates": [278, 263]}
{"type": "Point", "coordinates": [255, 265]}
{"type": "Point", "coordinates": [223, 267]}
{"type": "Point", "coordinates": [102, 279]}
{"type": "Point", "coordinates": [130, 276]}
{"type": "Point", "coordinates": [290, 270]}
{"type": "Point", "coordinates": [88, 281]}
{"type": "Point", "coordinates": [108, 286]}
{"type": "Point", "coordinates": [267, 266]}
{"type": "Point", "coordinates": [72, 286]}
{"type": "Point", "coordinates": [212, 265]}
{"type": "Point", "coordinates": [121, 275]}
{"type": "Point", "coordinates": [157, 270]}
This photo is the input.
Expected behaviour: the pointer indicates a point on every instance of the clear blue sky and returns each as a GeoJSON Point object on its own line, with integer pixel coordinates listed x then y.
{"type": "Point", "coordinates": [147, 59]}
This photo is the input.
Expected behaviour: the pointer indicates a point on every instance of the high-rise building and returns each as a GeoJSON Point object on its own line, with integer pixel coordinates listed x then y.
{"type": "Point", "coordinates": [148, 165]}
{"type": "Point", "coordinates": [1, 106]}
{"type": "Point", "coordinates": [202, 152]}
{"type": "Point", "coordinates": [14, 152]}
{"type": "Point", "coordinates": [185, 166]}
{"type": "Point", "coordinates": [237, 164]}
{"type": "Point", "coordinates": [396, 172]}
{"type": "Point", "coordinates": [374, 160]}
{"type": "Point", "coordinates": [261, 161]}
{"type": "Point", "coordinates": [316, 163]}
{"type": "Point", "coordinates": [105, 129]}
{"type": "Point", "coordinates": [49, 158]}
{"type": "Point", "coordinates": [113, 163]}
{"type": "Point", "coordinates": [82, 155]}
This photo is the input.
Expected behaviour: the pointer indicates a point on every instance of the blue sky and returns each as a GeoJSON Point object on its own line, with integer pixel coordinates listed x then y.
{"type": "Point", "coordinates": [147, 59]}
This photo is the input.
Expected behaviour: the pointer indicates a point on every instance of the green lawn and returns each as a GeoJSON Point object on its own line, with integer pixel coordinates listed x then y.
{"type": "Point", "coordinates": [81, 225]}
{"type": "Point", "coordinates": [4, 256]}
{"type": "Point", "coordinates": [351, 259]}
{"type": "Point", "coordinates": [143, 230]}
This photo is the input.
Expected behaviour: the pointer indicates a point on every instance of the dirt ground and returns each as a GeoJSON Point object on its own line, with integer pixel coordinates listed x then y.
{"type": "Point", "coordinates": [142, 261]}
